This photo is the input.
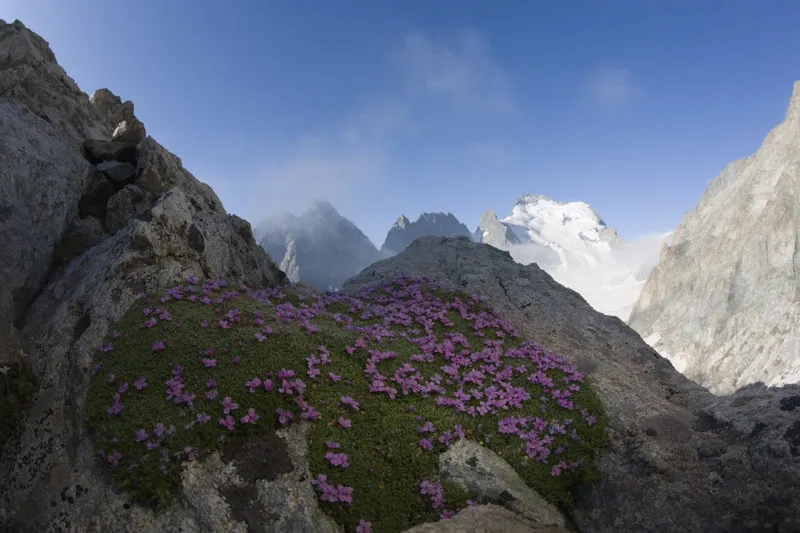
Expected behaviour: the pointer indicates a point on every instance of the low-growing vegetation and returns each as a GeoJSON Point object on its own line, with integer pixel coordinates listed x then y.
{"type": "Point", "coordinates": [387, 379]}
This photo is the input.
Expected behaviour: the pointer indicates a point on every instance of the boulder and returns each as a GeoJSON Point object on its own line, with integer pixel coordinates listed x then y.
{"type": "Point", "coordinates": [98, 151]}
{"type": "Point", "coordinates": [680, 458]}
{"type": "Point", "coordinates": [485, 519]}
{"type": "Point", "coordinates": [118, 172]}
{"type": "Point", "coordinates": [483, 472]}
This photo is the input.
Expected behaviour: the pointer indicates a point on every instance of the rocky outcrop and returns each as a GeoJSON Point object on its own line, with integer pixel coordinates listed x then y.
{"type": "Point", "coordinates": [494, 233]}
{"type": "Point", "coordinates": [87, 222]}
{"type": "Point", "coordinates": [680, 458]}
{"type": "Point", "coordinates": [320, 248]}
{"type": "Point", "coordinates": [724, 300]}
{"type": "Point", "coordinates": [403, 232]}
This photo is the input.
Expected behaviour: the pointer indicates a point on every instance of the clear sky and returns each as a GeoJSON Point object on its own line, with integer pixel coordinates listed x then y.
{"type": "Point", "coordinates": [399, 107]}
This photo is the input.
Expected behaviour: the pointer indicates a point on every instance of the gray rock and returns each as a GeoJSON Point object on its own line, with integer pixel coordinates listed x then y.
{"type": "Point", "coordinates": [493, 232]}
{"type": "Point", "coordinates": [118, 172]}
{"type": "Point", "coordinates": [652, 477]}
{"type": "Point", "coordinates": [65, 324]}
{"type": "Point", "coordinates": [98, 151]}
{"type": "Point", "coordinates": [485, 519]}
{"type": "Point", "coordinates": [30, 75]}
{"type": "Point", "coordinates": [42, 178]}
{"type": "Point", "coordinates": [723, 300]}
{"type": "Point", "coordinates": [131, 130]}
{"type": "Point", "coordinates": [485, 474]}
{"type": "Point", "coordinates": [130, 202]}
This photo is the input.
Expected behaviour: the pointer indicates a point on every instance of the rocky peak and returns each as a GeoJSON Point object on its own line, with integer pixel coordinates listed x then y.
{"type": "Point", "coordinates": [403, 232]}
{"type": "Point", "coordinates": [32, 77]}
{"type": "Point", "coordinates": [401, 222]}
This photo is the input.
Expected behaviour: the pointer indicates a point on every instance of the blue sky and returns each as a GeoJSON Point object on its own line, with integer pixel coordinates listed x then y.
{"type": "Point", "coordinates": [389, 108]}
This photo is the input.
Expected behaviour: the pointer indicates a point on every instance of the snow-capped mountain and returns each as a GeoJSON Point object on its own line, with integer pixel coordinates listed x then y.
{"type": "Point", "coordinates": [320, 247]}
{"type": "Point", "coordinates": [404, 232]}
{"type": "Point", "coordinates": [573, 244]}
{"type": "Point", "coordinates": [573, 230]}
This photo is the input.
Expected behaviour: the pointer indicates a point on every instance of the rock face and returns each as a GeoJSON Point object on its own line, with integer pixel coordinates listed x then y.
{"type": "Point", "coordinates": [403, 232]}
{"type": "Point", "coordinates": [494, 233]}
{"type": "Point", "coordinates": [321, 248]}
{"type": "Point", "coordinates": [724, 301]}
{"type": "Point", "coordinates": [80, 241]}
{"type": "Point", "coordinates": [680, 458]}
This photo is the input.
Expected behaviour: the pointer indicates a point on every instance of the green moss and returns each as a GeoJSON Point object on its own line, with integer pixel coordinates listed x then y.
{"type": "Point", "coordinates": [17, 388]}
{"type": "Point", "coordinates": [387, 463]}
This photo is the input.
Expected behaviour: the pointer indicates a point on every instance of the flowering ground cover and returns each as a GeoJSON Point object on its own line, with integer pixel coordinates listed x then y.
{"type": "Point", "coordinates": [387, 379]}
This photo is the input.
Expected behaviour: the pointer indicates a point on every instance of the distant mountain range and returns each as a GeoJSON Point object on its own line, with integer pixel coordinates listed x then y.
{"type": "Point", "coordinates": [322, 248]}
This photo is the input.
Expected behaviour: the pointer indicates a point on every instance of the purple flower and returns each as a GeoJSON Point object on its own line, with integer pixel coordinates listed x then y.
{"type": "Point", "coordinates": [203, 418]}
{"type": "Point", "coordinates": [364, 526]}
{"type": "Point", "coordinates": [208, 363]}
{"type": "Point", "coordinates": [158, 346]}
{"type": "Point", "coordinates": [212, 394]}
{"type": "Point", "coordinates": [345, 423]}
{"type": "Point", "coordinates": [141, 435]}
{"type": "Point", "coordinates": [123, 388]}
{"type": "Point", "coordinates": [228, 405]}
{"type": "Point", "coordinates": [140, 383]}
{"type": "Point", "coordinates": [347, 400]}
{"type": "Point", "coordinates": [253, 384]}
{"type": "Point", "coordinates": [115, 334]}
{"type": "Point", "coordinates": [428, 427]}
{"type": "Point", "coordinates": [250, 417]}
{"type": "Point", "coordinates": [331, 444]}
{"type": "Point", "coordinates": [337, 459]}
{"type": "Point", "coordinates": [334, 377]}
{"type": "Point", "coordinates": [159, 429]}
{"type": "Point", "coordinates": [227, 422]}
{"type": "Point", "coordinates": [284, 416]}
{"type": "Point", "coordinates": [426, 444]}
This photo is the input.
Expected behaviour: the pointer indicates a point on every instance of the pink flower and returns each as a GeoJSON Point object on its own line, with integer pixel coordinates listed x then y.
{"type": "Point", "coordinates": [228, 405]}
{"type": "Point", "coordinates": [250, 417]}
{"type": "Point", "coordinates": [227, 422]}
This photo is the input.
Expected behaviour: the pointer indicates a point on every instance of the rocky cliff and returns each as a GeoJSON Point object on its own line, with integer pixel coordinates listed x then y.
{"type": "Point", "coordinates": [92, 213]}
{"type": "Point", "coordinates": [724, 301]}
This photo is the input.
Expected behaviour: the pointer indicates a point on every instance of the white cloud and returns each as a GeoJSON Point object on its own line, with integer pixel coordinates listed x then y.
{"type": "Point", "coordinates": [612, 286]}
{"type": "Point", "coordinates": [459, 66]}
{"type": "Point", "coordinates": [611, 87]}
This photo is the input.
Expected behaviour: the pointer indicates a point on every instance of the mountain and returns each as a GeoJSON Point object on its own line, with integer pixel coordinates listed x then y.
{"type": "Point", "coordinates": [320, 247]}
{"type": "Point", "coordinates": [573, 244]}
{"type": "Point", "coordinates": [404, 232]}
{"type": "Point", "coordinates": [572, 230]}
{"type": "Point", "coordinates": [723, 303]}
